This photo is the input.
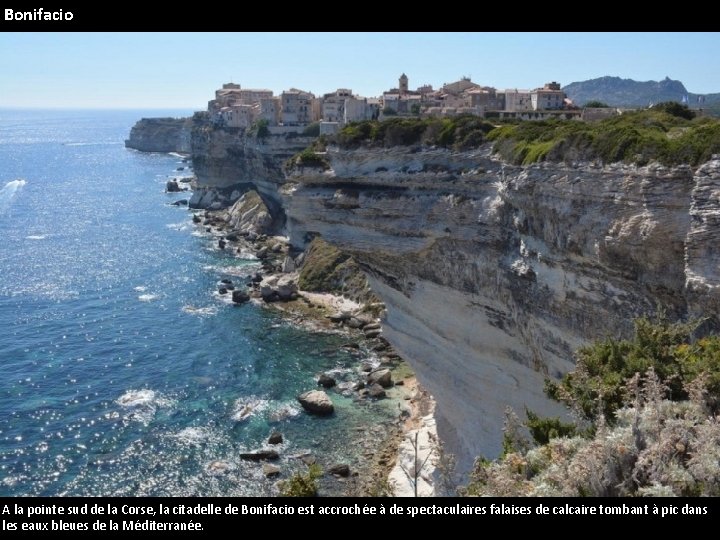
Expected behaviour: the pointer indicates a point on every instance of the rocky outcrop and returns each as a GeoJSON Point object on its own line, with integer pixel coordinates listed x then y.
{"type": "Point", "coordinates": [492, 275]}
{"type": "Point", "coordinates": [225, 158]}
{"type": "Point", "coordinates": [161, 135]}
{"type": "Point", "coordinates": [250, 214]}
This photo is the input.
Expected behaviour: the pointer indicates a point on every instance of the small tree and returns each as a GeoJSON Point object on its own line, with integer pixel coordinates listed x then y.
{"type": "Point", "coordinates": [676, 109]}
{"type": "Point", "coordinates": [595, 104]}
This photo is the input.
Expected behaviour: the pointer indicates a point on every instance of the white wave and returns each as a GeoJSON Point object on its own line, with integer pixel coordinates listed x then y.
{"type": "Point", "coordinates": [193, 435]}
{"type": "Point", "coordinates": [141, 405]}
{"type": "Point", "coordinates": [176, 154]}
{"type": "Point", "coordinates": [218, 467]}
{"type": "Point", "coordinates": [8, 193]}
{"type": "Point", "coordinates": [136, 398]}
{"type": "Point", "coordinates": [201, 311]}
{"type": "Point", "coordinates": [177, 226]}
{"type": "Point", "coordinates": [283, 411]}
{"type": "Point", "coordinates": [36, 237]}
{"type": "Point", "coordinates": [140, 288]}
{"type": "Point", "coordinates": [147, 297]}
{"type": "Point", "coordinates": [244, 408]}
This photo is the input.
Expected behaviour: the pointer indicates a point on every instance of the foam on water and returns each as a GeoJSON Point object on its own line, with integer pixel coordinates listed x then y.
{"type": "Point", "coordinates": [9, 192]}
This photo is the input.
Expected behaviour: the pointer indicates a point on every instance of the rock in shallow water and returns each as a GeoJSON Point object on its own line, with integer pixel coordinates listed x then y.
{"type": "Point", "coordinates": [275, 438]}
{"type": "Point", "coordinates": [260, 455]}
{"type": "Point", "coordinates": [376, 391]}
{"type": "Point", "coordinates": [270, 470]}
{"type": "Point", "coordinates": [340, 469]}
{"type": "Point", "coordinates": [326, 381]}
{"type": "Point", "coordinates": [316, 402]}
{"type": "Point", "coordinates": [381, 377]}
{"type": "Point", "coordinates": [172, 186]}
{"type": "Point", "coordinates": [240, 296]}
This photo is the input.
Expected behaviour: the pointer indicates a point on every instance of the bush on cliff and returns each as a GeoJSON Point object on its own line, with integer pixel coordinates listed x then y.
{"type": "Point", "coordinates": [597, 386]}
{"type": "Point", "coordinates": [459, 133]}
{"type": "Point", "coordinates": [650, 405]}
{"type": "Point", "coordinates": [663, 134]}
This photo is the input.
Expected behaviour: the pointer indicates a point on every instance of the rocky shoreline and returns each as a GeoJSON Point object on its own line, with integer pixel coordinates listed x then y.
{"type": "Point", "coordinates": [242, 225]}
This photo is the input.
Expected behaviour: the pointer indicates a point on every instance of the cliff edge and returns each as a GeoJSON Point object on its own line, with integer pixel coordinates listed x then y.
{"type": "Point", "coordinates": [161, 135]}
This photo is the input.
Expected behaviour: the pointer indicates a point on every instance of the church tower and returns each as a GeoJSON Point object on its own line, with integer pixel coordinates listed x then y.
{"type": "Point", "coordinates": [403, 84]}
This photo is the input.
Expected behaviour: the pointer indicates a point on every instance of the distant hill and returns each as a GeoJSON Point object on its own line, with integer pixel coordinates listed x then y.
{"type": "Point", "coordinates": [619, 92]}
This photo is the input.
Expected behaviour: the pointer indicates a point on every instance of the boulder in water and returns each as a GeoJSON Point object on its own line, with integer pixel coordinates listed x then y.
{"type": "Point", "coordinates": [275, 438]}
{"type": "Point", "coordinates": [260, 455]}
{"type": "Point", "coordinates": [316, 402]}
{"type": "Point", "coordinates": [381, 377]}
{"type": "Point", "coordinates": [172, 186]}
{"type": "Point", "coordinates": [340, 469]}
{"type": "Point", "coordinates": [326, 381]}
{"type": "Point", "coordinates": [239, 296]}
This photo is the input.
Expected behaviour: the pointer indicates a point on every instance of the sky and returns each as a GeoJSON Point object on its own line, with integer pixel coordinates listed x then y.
{"type": "Point", "coordinates": [182, 70]}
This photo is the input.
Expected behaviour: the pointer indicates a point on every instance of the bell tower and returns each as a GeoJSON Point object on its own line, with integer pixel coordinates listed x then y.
{"type": "Point", "coordinates": [403, 84]}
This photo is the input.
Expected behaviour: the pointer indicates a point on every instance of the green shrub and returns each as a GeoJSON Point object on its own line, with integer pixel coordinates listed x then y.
{"type": "Point", "coordinates": [596, 105]}
{"type": "Point", "coordinates": [460, 133]}
{"type": "Point", "coordinates": [309, 158]}
{"type": "Point", "coordinates": [302, 485]}
{"type": "Point", "coordinates": [544, 429]}
{"type": "Point", "coordinates": [676, 109]}
{"type": "Point", "coordinates": [260, 129]}
{"type": "Point", "coordinates": [604, 367]}
{"type": "Point", "coordinates": [659, 393]}
{"type": "Point", "coordinates": [663, 133]}
{"type": "Point", "coordinates": [312, 130]}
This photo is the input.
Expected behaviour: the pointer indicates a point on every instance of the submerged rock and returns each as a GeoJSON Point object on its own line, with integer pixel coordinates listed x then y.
{"type": "Point", "coordinates": [239, 296]}
{"type": "Point", "coordinates": [326, 381]}
{"type": "Point", "coordinates": [340, 469]}
{"type": "Point", "coordinates": [376, 391]}
{"type": "Point", "coordinates": [316, 402]}
{"type": "Point", "coordinates": [275, 438]}
{"type": "Point", "coordinates": [260, 455]}
{"type": "Point", "coordinates": [270, 470]}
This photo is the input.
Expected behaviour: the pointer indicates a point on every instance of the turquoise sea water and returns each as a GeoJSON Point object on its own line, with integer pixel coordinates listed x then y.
{"type": "Point", "coordinates": [121, 372]}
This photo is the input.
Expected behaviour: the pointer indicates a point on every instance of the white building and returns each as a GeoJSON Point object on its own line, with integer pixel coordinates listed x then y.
{"type": "Point", "coordinates": [237, 116]}
{"type": "Point", "coordinates": [518, 100]}
{"type": "Point", "coordinates": [548, 98]}
{"type": "Point", "coordinates": [333, 105]}
{"type": "Point", "coordinates": [297, 107]}
{"type": "Point", "coordinates": [359, 108]}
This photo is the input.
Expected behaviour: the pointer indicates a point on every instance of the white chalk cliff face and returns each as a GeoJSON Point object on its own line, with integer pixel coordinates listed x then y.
{"type": "Point", "coordinates": [493, 275]}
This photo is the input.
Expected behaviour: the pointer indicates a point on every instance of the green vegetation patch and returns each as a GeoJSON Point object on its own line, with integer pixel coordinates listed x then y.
{"type": "Point", "coordinates": [647, 423]}
{"type": "Point", "coordinates": [459, 133]}
{"type": "Point", "coordinates": [327, 269]}
{"type": "Point", "coordinates": [666, 133]}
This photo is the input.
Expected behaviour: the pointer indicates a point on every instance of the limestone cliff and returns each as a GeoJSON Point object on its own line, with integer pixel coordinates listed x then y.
{"type": "Point", "coordinates": [225, 159]}
{"type": "Point", "coordinates": [161, 135]}
{"type": "Point", "coordinates": [493, 275]}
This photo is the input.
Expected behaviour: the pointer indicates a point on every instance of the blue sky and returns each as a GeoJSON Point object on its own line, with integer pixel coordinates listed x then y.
{"type": "Point", "coordinates": [181, 70]}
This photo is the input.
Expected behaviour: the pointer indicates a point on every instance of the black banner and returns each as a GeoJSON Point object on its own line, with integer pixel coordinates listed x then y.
{"type": "Point", "coordinates": [217, 515]}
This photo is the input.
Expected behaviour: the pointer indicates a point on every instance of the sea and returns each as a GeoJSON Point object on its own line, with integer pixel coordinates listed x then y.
{"type": "Point", "coordinates": [122, 371]}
